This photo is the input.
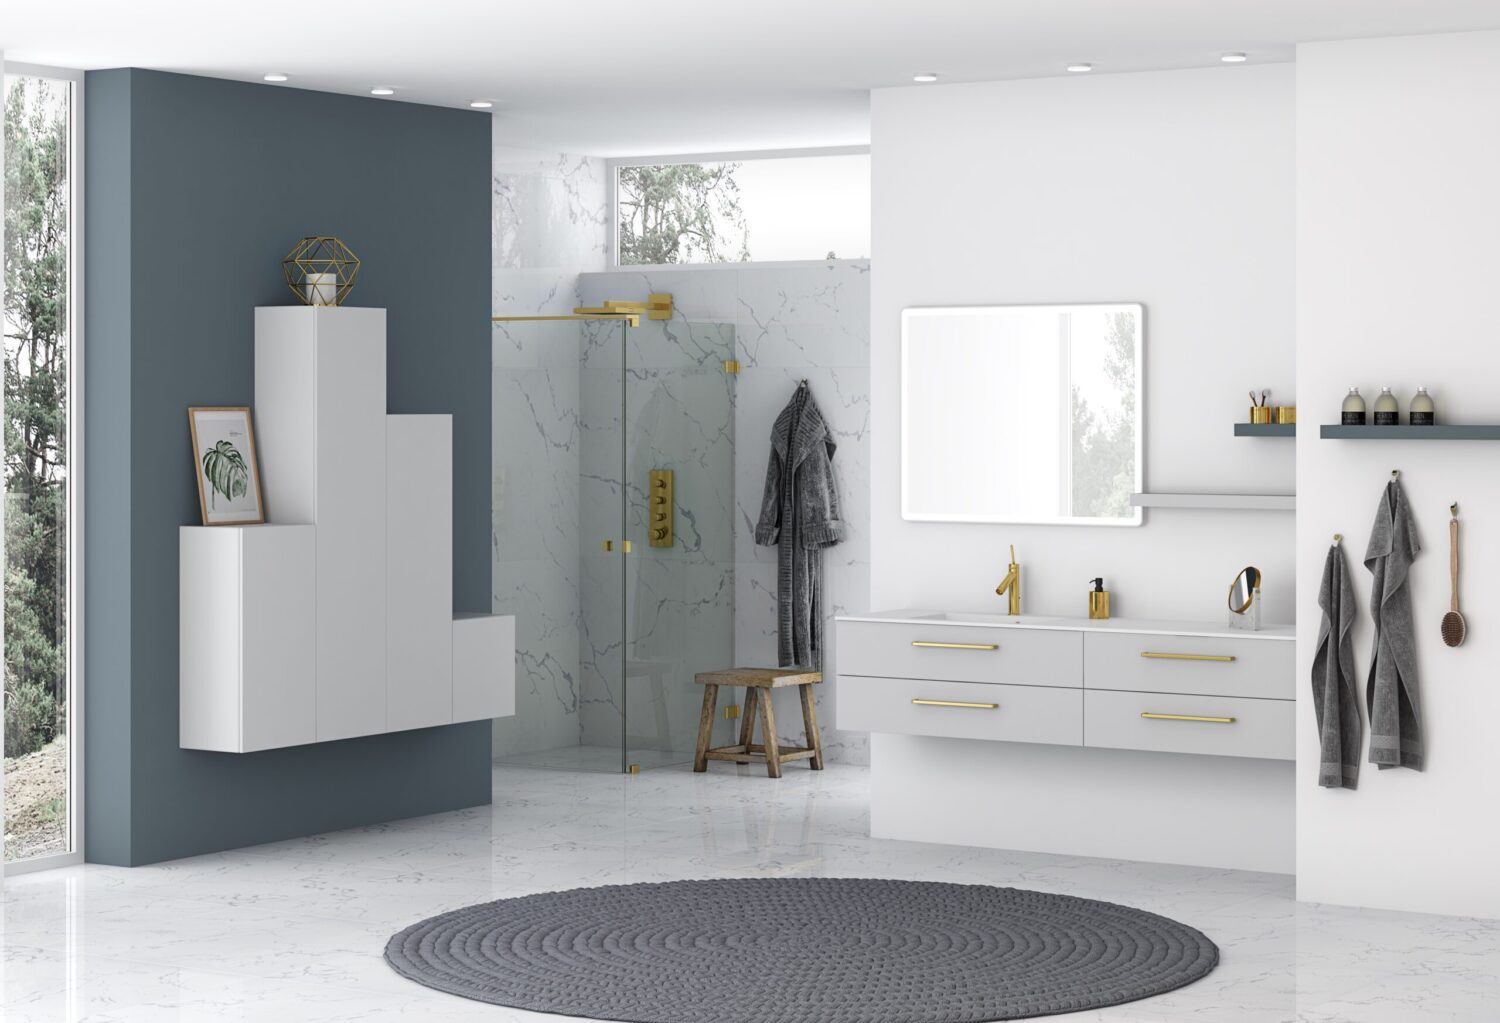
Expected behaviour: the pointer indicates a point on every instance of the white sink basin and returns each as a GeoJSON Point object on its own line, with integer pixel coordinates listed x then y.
{"type": "Point", "coordinates": [984, 619]}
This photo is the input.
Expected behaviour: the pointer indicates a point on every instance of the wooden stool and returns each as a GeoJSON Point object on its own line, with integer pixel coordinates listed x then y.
{"type": "Point", "coordinates": [758, 682]}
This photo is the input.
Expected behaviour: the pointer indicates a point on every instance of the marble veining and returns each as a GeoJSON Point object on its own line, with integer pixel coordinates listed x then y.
{"type": "Point", "coordinates": [294, 930]}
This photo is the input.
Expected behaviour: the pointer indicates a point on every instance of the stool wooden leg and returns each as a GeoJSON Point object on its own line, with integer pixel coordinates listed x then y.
{"type": "Point", "coordinates": [748, 711]}
{"type": "Point", "coordinates": [706, 727]}
{"type": "Point", "coordinates": [768, 736]}
{"type": "Point", "coordinates": [810, 724]}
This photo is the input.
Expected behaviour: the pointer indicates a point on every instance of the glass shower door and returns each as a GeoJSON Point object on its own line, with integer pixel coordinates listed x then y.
{"type": "Point", "coordinates": [679, 504]}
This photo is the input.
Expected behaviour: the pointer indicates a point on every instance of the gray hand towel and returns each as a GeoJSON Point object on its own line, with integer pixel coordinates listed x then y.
{"type": "Point", "coordinates": [1393, 694]}
{"type": "Point", "coordinates": [1335, 692]}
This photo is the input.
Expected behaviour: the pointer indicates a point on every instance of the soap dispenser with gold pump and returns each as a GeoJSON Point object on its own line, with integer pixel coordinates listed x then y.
{"type": "Point", "coordinates": [1098, 600]}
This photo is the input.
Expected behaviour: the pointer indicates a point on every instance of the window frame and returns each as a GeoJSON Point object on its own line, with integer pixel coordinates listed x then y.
{"type": "Point", "coordinates": [76, 456]}
{"type": "Point", "coordinates": [612, 185]}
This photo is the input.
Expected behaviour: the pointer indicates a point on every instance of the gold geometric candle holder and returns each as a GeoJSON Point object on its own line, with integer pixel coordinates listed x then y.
{"type": "Point", "coordinates": [320, 270]}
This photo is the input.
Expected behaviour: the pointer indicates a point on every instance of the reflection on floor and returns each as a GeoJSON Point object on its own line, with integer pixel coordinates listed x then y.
{"type": "Point", "coordinates": [293, 931]}
{"type": "Point", "coordinates": [605, 759]}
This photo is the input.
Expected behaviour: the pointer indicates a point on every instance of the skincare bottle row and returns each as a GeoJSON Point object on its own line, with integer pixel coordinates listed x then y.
{"type": "Point", "coordinates": [1420, 412]}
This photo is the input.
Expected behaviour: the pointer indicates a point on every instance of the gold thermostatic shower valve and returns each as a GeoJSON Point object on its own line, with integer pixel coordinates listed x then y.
{"type": "Point", "coordinates": [658, 306]}
{"type": "Point", "coordinates": [659, 508]}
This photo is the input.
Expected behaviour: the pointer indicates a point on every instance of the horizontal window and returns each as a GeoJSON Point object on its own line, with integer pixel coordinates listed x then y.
{"type": "Point", "coordinates": [735, 211]}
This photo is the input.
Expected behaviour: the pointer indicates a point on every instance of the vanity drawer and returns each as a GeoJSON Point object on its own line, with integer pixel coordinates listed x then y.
{"type": "Point", "coordinates": [1262, 668]}
{"type": "Point", "coordinates": [1237, 727]}
{"type": "Point", "coordinates": [961, 653]}
{"type": "Point", "coordinates": [1004, 713]}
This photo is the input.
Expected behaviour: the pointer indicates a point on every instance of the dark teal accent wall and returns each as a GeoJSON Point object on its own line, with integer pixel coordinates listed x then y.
{"type": "Point", "coordinates": [195, 189]}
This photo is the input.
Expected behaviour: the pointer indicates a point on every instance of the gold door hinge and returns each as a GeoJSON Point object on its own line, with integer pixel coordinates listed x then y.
{"type": "Point", "coordinates": [609, 546]}
{"type": "Point", "coordinates": [633, 769]}
{"type": "Point", "coordinates": [731, 366]}
{"type": "Point", "coordinates": [732, 711]}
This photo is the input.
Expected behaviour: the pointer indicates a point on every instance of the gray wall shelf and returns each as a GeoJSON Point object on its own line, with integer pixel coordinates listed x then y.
{"type": "Point", "coordinates": [1265, 429]}
{"type": "Point", "coordinates": [1477, 432]}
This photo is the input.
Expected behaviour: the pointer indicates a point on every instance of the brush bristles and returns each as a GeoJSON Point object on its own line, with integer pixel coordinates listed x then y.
{"type": "Point", "coordinates": [1453, 628]}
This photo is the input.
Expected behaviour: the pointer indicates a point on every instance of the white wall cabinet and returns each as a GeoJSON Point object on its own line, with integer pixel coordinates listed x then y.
{"type": "Point", "coordinates": [248, 625]}
{"type": "Point", "coordinates": [337, 620]}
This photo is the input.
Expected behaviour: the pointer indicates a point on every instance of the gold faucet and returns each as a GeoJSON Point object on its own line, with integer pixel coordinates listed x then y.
{"type": "Point", "coordinates": [1012, 583]}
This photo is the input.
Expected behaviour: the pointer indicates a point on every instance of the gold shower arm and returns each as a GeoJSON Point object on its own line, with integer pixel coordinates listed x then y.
{"type": "Point", "coordinates": [631, 318]}
{"type": "Point", "coordinates": [658, 306]}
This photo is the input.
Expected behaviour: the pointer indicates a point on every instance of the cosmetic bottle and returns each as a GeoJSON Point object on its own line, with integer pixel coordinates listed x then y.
{"type": "Point", "coordinates": [1387, 409]}
{"type": "Point", "coordinates": [1421, 411]}
{"type": "Point", "coordinates": [1354, 409]}
{"type": "Point", "coordinates": [1098, 600]}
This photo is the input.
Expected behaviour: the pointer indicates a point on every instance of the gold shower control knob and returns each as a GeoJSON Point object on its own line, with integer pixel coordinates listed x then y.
{"type": "Point", "coordinates": [659, 533]}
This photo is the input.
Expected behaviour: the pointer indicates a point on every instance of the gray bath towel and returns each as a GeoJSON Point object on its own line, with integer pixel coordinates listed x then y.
{"type": "Point", "coordinates": [800, 514]}
{"type": "Point", "coordinates": [1335, 693]}
{"type": "Point", "coordinates": [1393, 696]}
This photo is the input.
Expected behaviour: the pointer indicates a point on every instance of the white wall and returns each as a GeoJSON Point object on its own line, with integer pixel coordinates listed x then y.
{"type": "Point", "coordinates": [1398, 212]}
{"type": "Point", "coordinates": [1173, 189]}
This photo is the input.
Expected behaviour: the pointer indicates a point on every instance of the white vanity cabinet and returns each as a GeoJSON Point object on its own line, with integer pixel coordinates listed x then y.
{"type": "Point", "coordinates": [1141, 740]}
{"type": "Point", "coordinates": [1171, 687]}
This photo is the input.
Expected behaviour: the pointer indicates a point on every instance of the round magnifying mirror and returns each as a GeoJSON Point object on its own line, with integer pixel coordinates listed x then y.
{"type": "Point", "coordinates": [1242, 590]}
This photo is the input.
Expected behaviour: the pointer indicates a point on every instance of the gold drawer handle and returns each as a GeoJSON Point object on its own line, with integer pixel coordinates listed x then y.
{"type": "Point", "coordinates": [1187, 657]}
{"type": "Point", "coordinates": [955, 703]}
{"type": "Point", "coordinates": [1186, 717]}
{"type": "Point", "coordinates": [955, 646]}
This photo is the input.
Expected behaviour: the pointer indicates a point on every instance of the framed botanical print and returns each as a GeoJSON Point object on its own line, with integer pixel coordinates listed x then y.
{"type": "Point", "coordinates": [224, 459]}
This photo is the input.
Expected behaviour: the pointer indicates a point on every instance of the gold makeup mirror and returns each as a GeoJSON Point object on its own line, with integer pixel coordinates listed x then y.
{"type": "Point", "coordinates": [1242, 590]}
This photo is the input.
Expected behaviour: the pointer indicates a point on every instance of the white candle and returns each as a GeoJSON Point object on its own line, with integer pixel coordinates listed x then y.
{"type": "Point", "coordinates": [322, 289]}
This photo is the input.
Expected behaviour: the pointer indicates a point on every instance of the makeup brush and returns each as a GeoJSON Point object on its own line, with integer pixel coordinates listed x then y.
{"type": "Point", "coordinates": [1253, 402]}
{"type": "Point", "coordinates": [1454, 626]}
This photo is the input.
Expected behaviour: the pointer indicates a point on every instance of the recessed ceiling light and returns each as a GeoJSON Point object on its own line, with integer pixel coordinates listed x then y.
{"type": "Point", "coordinates": [276, 76]}
{"type": "Point", "coordinates": [1234, 58]}
{"type": "Point", "coordinates": [481, 104]}
{"type": "Point", "coordinates": [1080, 68]}
{"type": "Point", "coordinates": [925, 76]}
{"type": "Point", "coordinates": [382, 90]}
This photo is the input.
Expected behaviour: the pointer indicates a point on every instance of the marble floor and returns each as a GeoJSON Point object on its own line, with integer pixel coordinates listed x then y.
{"type": "Point", "coordinates": [293, 931]}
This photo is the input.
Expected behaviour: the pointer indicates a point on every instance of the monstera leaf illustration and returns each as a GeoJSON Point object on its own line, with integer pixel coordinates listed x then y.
{"type": "Point", "coordinates": [224, 468]}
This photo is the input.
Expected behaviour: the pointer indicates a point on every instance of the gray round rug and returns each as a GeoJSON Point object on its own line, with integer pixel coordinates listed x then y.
{"type": "Point", "coordinates": [802, 950]}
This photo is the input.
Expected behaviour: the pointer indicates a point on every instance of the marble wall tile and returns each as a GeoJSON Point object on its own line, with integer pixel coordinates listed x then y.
{"type": "Point", "coordinates": [549, 224]}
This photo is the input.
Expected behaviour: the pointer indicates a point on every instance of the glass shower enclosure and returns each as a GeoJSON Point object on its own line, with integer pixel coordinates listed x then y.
{"type": "Point", "coordinates": [614, 539]}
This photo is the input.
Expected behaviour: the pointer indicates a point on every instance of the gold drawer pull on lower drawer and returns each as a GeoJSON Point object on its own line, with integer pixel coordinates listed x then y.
{"type": "Point", "coordinates": [954, 646]}
{"type": "Point", "coordinates": [1186, 717]}
{"type": "Point", "coordinates": [955, 703]}
{"type": "Point", "coordinates": [1225, 658]}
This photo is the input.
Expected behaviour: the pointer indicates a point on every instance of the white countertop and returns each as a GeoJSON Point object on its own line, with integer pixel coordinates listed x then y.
{"type": "Point", "coordinates": [1142, 626]}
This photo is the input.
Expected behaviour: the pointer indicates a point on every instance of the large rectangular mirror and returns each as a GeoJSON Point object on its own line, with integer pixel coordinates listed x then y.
{"type": "Point", "coordinates": [1021, 414]}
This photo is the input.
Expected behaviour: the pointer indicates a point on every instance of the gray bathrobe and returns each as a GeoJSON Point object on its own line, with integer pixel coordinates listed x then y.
{"type": "Point", "coordinates": [799, 513]}
{"type": "Point", "coordinates": [1335, 692]}
{"type": "Point", "coordinates": [1393, 695]}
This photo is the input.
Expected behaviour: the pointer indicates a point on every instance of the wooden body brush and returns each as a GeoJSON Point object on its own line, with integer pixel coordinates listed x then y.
{"type": "Point", "coordinates": [1454, 626]}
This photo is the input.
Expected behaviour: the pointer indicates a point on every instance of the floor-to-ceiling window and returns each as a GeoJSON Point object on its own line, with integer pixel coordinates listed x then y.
{"type": "Point", "coordinates": [42, 776]}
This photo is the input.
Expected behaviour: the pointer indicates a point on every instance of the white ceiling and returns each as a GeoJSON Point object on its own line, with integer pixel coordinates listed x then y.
{"type": "Point", "coordinates": [615, 77]}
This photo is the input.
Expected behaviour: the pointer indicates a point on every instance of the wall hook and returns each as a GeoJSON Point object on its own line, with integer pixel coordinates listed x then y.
{"type": "Point", "coordinates": [1338, 538]}
{"type": "Point", "coordinates": [1453, 510]}
{"type": "Point", "coordinates": [1395, 474]}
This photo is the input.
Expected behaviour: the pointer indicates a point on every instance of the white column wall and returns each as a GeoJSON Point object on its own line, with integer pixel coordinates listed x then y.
{"type": "Point", "coordinates": [1398, 212]}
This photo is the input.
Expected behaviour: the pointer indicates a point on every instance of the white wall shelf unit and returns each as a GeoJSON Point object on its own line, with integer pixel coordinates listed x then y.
{"type": "Point", "coordinates": [337, 620]}
{"type": "Point", "coordinates": [1219, 502]}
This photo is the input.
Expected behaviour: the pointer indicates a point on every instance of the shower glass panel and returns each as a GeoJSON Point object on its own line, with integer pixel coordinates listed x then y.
{"type": "Point", "coordinates": [619, 600]}
{"type": "Point", "coordinates": [679, 489]}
